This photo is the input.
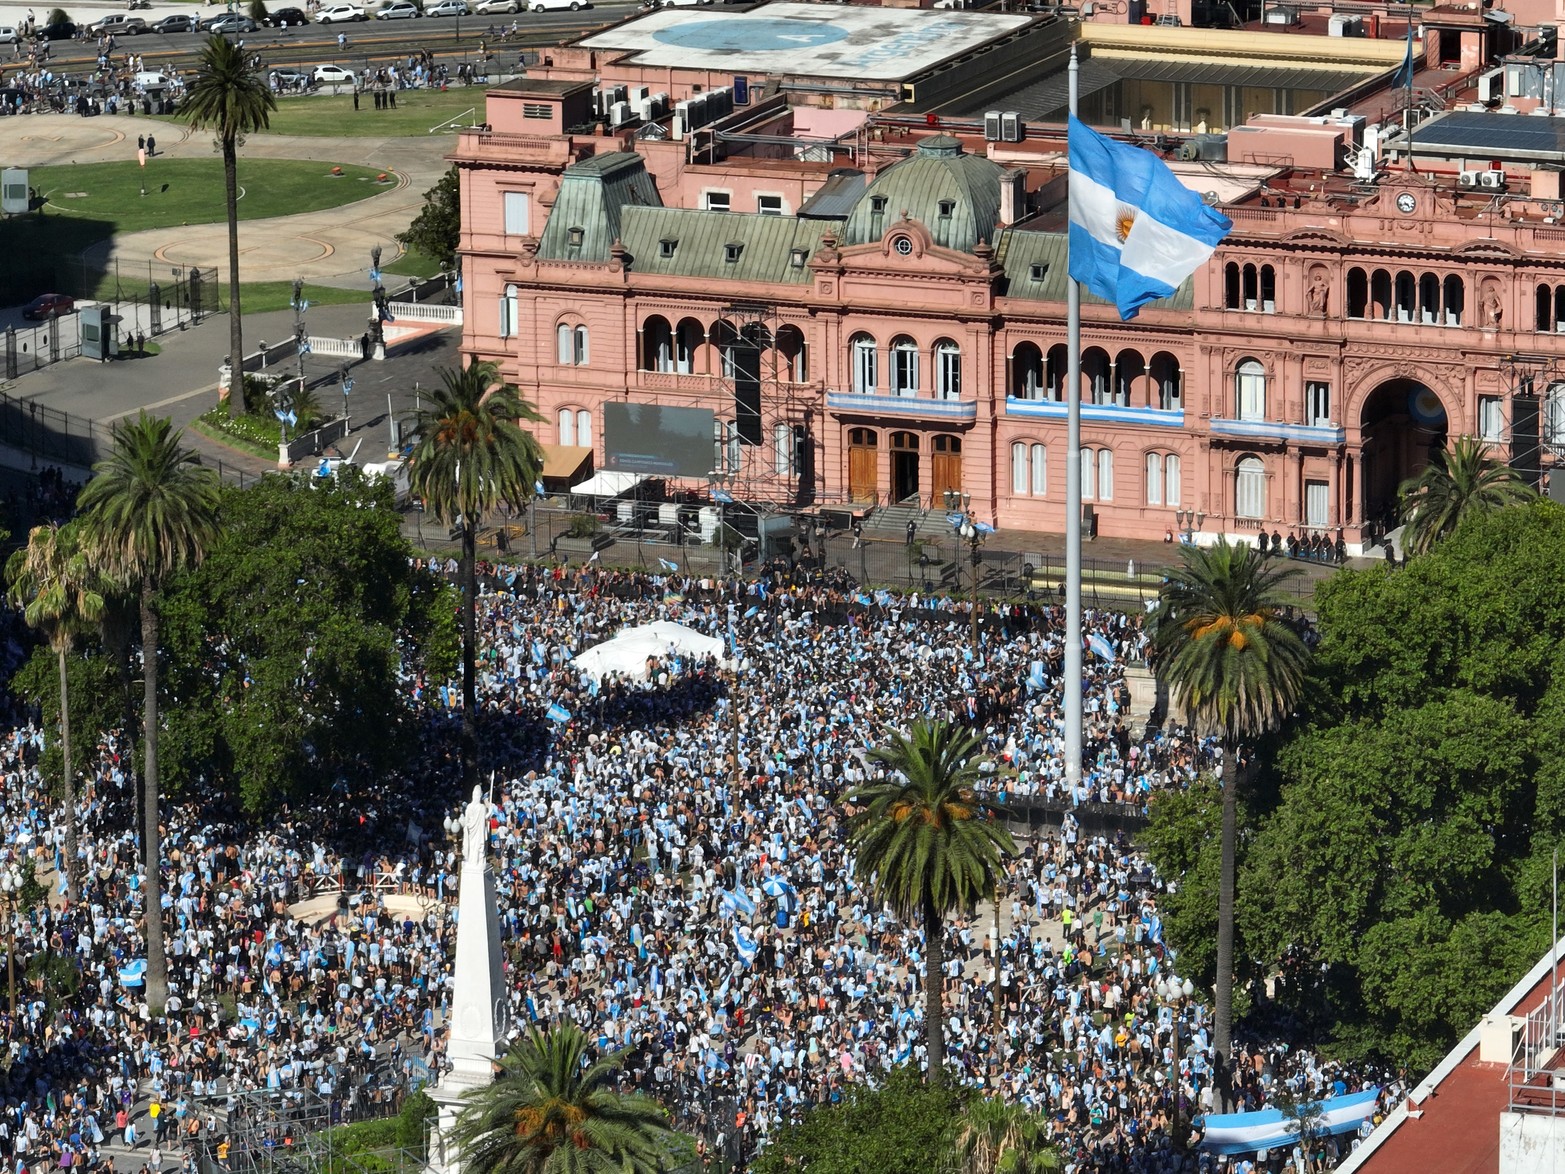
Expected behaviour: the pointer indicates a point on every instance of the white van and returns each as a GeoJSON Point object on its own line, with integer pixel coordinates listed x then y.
{"type": "Point", "coordinates": [153, 79]}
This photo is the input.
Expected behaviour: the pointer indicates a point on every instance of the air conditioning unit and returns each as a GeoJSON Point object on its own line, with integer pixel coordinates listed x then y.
{"type": "Point", "coordinates": [1491, 179]}
{"type": "Point", "coordinates": [646, 109]}
{"type": "Point", "coordinates": [1281, 16]}
{"type": "Point", "coordinates": [619, 114]}
{"type": "Point", "coordinates": [1467, 179]}
{"type": "Point", "coordinates": [678, 126]}
{"type": "Point", "coordinates": [992, 126]}
{"type": "Point", "coordinates": [637, 93]}
{"type": "Point", "coordinates": [1012, 129]}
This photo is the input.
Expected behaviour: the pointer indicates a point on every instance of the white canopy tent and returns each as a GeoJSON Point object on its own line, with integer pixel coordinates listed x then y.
{"type": "Point", "coordinates": [609, 483]}
{"type": "Point", "coordinates": [627, 653]}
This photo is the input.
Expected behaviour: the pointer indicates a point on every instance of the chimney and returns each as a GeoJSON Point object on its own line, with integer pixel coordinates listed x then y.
{"type": "Point", "coordinates": [1013, 196]}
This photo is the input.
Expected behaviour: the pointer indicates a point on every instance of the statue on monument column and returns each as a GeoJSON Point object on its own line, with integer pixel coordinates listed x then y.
{"type": "Point", "coordinates": [475, 830]}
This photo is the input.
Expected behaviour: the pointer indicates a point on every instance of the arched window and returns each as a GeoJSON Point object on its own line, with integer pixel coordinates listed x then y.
{"type": "Point", "coordinates": [1171, 480]}
{"type": "Point", "coordinates": [792, 364]}
{"type": "Point", "coordinates": [580, 339]}
{"type": "Point", "coordinates": [657, 345]}
{"type": "Point", "coordinates": [564, 346]}
{"type": "Point", "coordinates": [1232, 299]}
{"type": "Point", "coordinates": [1380, 294]}
{"type": "Point", "coordinates": [1429, 299]}
{"type": "Point", "coordinates": [1154, 478]}
{"type": "Point", "coordinates": [1128, 368]}
{"type": "Point", "coordinates": [782, 449]}
{"type": "Point", "coordinates": [904, 367]}
{"type": "Point", "coordinates": [1250, 488]}
{"type": "Point", "coordinates": [1105, 475]}
{"type": "Point", "coordinates": [1543, 314]}
{"type": "Point", "coordinates": [1358, 293]}
{"type": "Point", "coordinates": [1095, 367]}
{"type": "Point", "coordinates": [689, 335]}
{"type": "Point", "coordinates": [1406, 295]}
{"type": "Point", "coordinates": [567, 426]}
{"type": "Point", "coordinates": [1054, 373]}
{"type": "Point", "coordinates": [1454, 299]}
{"type": "Point", "coordinates": [864, 372]}
{"type": "Point", "coordinates": [1040, 470]}
{"type": "Point", "coordinates": [1021, 468]}
{"type": "Point", "coordinates": [725, 446]}
{"type": "Point", "coordinates": [1268, 290]}
{"type": "Point", "coordinates": [948, 370]}
{"type": "Point", "coordinates": [1166, 383]}
{"type": "Point", "coordinates": [1250, 391]}
{"type": "Point", "coordinates": [1089, 474]}
{"type": "Point", "coordinates": [584, 428]}
{"type": "Point", "coordinates": [1027, 372]}
{"type": "Point", "coordinates": [510, 311]}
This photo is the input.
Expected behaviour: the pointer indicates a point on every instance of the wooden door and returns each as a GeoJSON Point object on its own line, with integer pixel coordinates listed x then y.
{"type": "Point", "coordinates": [947, 470]}
{"type": "Point", "coordinates": [863, 473]}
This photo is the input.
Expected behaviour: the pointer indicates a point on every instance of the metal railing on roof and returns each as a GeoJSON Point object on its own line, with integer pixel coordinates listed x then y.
{"type": "Point", "coordinates": [1535, 1080]}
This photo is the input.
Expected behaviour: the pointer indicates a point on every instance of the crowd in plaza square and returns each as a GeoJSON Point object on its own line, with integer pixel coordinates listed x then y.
{"type": "Point", "coordinates": [672, 876]}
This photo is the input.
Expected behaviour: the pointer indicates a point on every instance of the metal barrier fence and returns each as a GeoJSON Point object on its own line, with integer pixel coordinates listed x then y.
{"type": "Point", "coordinates": [51, 435]}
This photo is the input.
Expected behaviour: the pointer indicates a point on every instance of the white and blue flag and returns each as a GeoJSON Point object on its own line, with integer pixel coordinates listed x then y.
{"type": "Point", "coordinates": [745, 945]}
{"type": "Point", "coordinates": [1270, 1129]}
{"type": "Point", "coordinates": [1101, 647]}
{"type": "Point", "coordinates": [557, 712]}
{"type": "Point", "coordinates": [1136, 232]}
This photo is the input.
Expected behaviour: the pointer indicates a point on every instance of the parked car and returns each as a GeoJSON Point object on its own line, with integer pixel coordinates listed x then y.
{"type": "Point", "coordinates": [339, 13]}
{"type": "Point", "coordinates": [573, 5]}
{"type": "Point", "coordinates": [49, 305]}
{"type": "Point", "coordinates": [286, 18]}
{"type": "Point", "coordinates": [447, 8]}
{"type": "Point", "coordinates": [152, 79]}
{"type": "Point", "coordinates": [401, 10]}
{"type": "Point", "coordinates": [333, 75]}
{"type": "Point", "coordinates": [233, 22]}
{"type": "Point", "coordinates": [498, 7]}
{"type": "Point", "coordinates": [8, 35]}
{"type": "Point", "coordinates": [180, 22]}
{"type": "Point", "coordinates": [119, 24]}
{"type": "Point", "coordinates": [291, 79]}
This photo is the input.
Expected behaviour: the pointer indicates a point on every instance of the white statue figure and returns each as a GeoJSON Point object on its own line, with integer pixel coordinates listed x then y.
{"type": "Point", "coordinates": [475, 829]}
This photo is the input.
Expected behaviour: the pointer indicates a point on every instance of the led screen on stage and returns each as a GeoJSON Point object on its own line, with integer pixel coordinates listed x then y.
{"type": "Point", "coordinates": [665, 442]}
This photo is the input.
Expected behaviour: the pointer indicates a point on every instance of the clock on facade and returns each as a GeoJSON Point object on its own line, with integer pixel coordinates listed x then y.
{"type": "Point", "coordinates": [1406, 203]}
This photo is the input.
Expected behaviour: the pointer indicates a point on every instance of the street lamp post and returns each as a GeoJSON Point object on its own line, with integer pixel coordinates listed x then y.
{"type": "Point", "coordinates": [974, 537]}
{"type": "Point", "coordinates": [10, 896]}
{"type": "Point", "coordinates": [1174, 992]}
{"type": "Point", "coordinates": [1189, 521]}
{"type": "Point", "coordinates": [347, 385]}
{"type": "Point", "coordinates": [721, 483]}
{"type": "Point", "coordinates": [299, 305]}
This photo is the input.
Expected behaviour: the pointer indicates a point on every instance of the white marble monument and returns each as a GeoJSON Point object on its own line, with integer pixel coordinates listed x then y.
{"type": "Point", "coordinates": [479, 1009]}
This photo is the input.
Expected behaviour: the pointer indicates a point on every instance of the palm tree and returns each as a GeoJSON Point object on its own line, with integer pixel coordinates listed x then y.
{"type": "Point", "coordinates": [150, 511]}
{"type": "Point", "coordinates": [1238, 669]}
{"type": "Point", "coordinates": [471, 456]}
{"type": "Point", "coordinates": [992, 1137]}
{"type": "Point", "coordinates": [61, 595]}
{"type": "Point", "coordinates": [1460, 481]}
{"type": "Point", "coordinates": [551, 1111]}
{"type": "Point", "coordinates": [928, 845]}
{"type": "Point", "coordinates": [232, 99]}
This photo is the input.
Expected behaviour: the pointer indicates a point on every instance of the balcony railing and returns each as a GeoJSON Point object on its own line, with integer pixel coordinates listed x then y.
{"type": "Point", "coordinates": [1535, 1079]}
{"type": "Point", "coordinates": [1096, 413]}
{"type": "Point", "coordinates": [1277, 430]}
{"type": "Point", "coordinates": [910, 406]}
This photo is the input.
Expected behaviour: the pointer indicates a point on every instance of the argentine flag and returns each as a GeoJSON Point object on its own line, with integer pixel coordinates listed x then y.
{"type": "Point", "coordinates": [557, 712]}
{"type": "Point", "coordinates": [745, 945]}
{"type": "Point", "coordinates": [1136, 232]}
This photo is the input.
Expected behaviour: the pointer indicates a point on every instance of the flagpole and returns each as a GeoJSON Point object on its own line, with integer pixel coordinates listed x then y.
{"type": "Point", "coordinates": [1072, 683]}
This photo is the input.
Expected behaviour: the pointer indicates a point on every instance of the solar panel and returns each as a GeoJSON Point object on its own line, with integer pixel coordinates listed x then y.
{"type": "Point", "coordinates": [1497, 134]}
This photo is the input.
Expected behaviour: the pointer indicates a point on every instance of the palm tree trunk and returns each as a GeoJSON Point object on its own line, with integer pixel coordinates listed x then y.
{"type": "Point", "coordinates": [934, 991]}
{"type": "Point", "coordinates": [68, 785]}
{"type": "Point", "coordinates": [1223, 1014]}
{"type": "Point", "coordinates": [236, 333]}
{"type": "Point", "coordinates": [469, 654]}
{"type": "Point", "coordinates": [151, 843]}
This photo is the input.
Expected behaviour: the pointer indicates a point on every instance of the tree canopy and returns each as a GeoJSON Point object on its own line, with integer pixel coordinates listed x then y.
{"type": "Point", "coordinates": [1401, 844]}
{"type": "Point", "coordinates": [437, 230]}
{"type": "Point", "coordinates": [285, 645]}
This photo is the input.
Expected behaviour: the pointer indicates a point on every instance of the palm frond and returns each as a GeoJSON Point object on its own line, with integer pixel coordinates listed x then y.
{"type": "Point", "coordinates": [1461, 481]}
{"type": "Point", "coordinates": [227, 96]}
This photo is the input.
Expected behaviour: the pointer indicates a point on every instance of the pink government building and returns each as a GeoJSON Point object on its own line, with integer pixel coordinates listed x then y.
{"type": "Point", "coordinates": [842, 230]}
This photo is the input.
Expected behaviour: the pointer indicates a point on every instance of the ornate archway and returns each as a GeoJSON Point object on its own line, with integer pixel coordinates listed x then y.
{"type": "Point", "coordinates": [1402, 424]}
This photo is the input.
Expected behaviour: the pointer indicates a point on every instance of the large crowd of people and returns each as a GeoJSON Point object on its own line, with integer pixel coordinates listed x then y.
{"type": "Point", "coordinates": [672, 875]}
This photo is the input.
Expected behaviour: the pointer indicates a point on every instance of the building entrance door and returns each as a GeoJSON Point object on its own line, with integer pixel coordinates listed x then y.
{"type": "Point", "coordinates": [904, 467]}
{"type": "Point", "coordinates": [945, 467]}
{"type": "Point", "coordinates": [863, 465]}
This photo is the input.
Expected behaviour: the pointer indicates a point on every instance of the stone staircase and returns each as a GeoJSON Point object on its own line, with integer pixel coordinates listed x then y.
{"type": "Point", "coordinates": [891, 522]}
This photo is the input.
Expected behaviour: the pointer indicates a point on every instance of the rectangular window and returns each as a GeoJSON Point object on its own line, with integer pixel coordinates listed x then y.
{"type": "Point", "coordinates": [567, 426]}
{"type": "Point", "coordinates": [1089, 474]}
{"type": "Point", "coordinates": [1491, 419]}
{"type": "Point", "coordinates": [864, 374]}
{"type": "Point", "coordinates": [1251, 392]}
{"type": "Point", "coordinates": [718, 201]}
{"type": "Point", "coordinates": [1317, 504]}
{"type": "Point", "coordinates": [1020, 474]}
{"type": "Point", "coordinates": [565, 346]}
{"type": "Point", "coordinates": [1171, 482]}
{"type": "Point", "coordinates": [584, 428]}
{"type": "Point", "coordinates": [782, 443]}
{"type": "Point", "coordinates": [1105, 475]}
{"type": "Point", "coordinates": [517, 214]}
{"type": "Point", "coordinates": [769, 205]}
{"type": "Point", "coordinates": [1040, 470]}
{"type": "Point", "coordinates": [1154, 478]}
{"type": "Point", "coordinates": [1317, 404]}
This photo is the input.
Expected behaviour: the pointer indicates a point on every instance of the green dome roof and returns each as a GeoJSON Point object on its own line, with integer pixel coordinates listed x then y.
{"type": "Point", "coordinates": [956, 196]}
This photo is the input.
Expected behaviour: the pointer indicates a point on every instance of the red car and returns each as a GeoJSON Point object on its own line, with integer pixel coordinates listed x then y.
{"type": "Point", "coordinates": [48, 306]}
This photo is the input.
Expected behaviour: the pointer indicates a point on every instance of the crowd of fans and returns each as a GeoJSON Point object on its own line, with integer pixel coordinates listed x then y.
{"type": "Point", "coordinates": [672, 875]}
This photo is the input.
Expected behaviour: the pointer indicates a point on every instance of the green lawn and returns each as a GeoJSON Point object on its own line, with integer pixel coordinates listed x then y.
{"type": "Point", "coordinates": [412, 264]}
{"type": "Point", "coordinates": [333, 114]}
{"type": "Point", "coordinates": [190, 191]}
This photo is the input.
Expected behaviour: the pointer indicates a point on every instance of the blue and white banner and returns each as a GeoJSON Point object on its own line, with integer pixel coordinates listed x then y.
{"type": "Point", "coordinates": [668, 566]}
{"type": "Point", "coordinates": [1244, 1133]}
{"type": "Point", "coordinates": [558, 712]}
{"type": "Point", "coordinates": [738, 901]}
{"type": "Point", "coordinates": [1101, 647]}
{"type": "Point", "coordinates": [1136, 232]}
{"type": "Point", "coordinates": [746, 945]}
